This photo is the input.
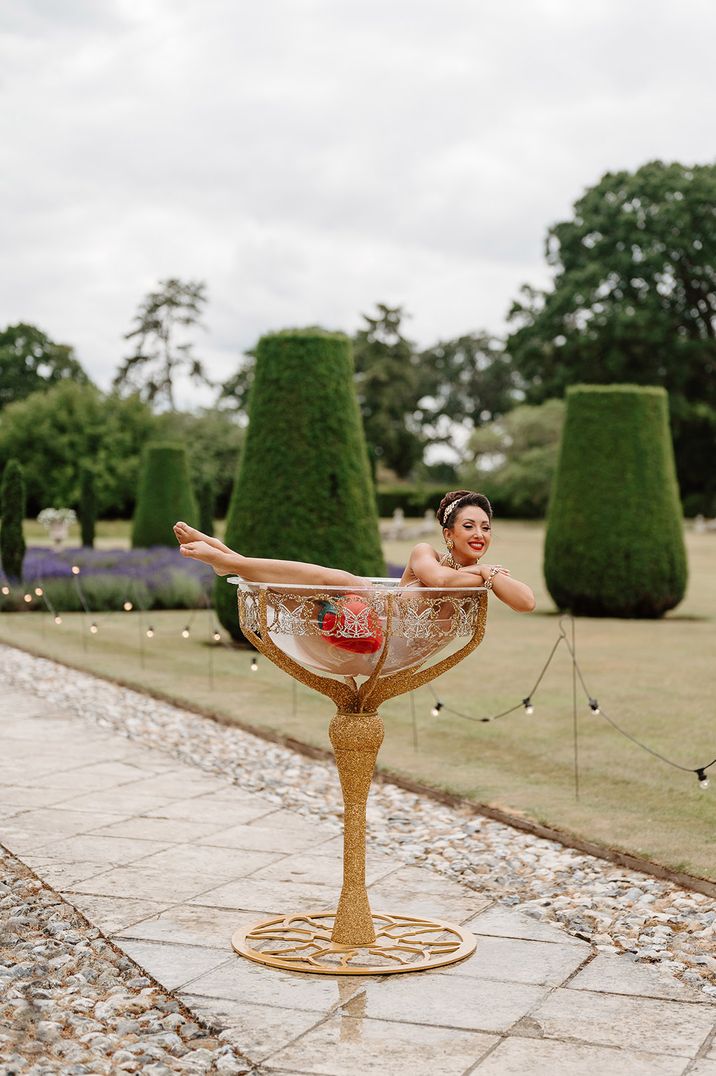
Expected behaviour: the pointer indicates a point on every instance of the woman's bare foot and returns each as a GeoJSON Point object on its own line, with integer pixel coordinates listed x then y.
{"type": "Point", "coordinates": [184, 533]}
{"type": "Point", "coordinates": [206, 553]}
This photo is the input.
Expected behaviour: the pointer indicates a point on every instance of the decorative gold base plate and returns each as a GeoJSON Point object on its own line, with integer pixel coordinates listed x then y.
{"type": "Point", "coordinates": [403, 943]}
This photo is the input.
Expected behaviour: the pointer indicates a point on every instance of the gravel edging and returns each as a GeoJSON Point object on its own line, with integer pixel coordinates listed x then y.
{"type": "Point", "coordinates": [72, 1003]}
{"type": "Point", "coordinates": [616, 909]}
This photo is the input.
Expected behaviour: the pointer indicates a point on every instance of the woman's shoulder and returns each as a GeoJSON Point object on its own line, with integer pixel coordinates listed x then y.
{"type": "Point", "coordinates": [423, 548]}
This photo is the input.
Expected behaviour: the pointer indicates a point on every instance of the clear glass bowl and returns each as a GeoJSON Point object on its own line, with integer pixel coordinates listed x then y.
{"type": "Point", "coordinates": [344, 630]}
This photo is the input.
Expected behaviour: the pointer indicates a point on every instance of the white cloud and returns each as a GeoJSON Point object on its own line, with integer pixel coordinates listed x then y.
{"type": "Point", "coordinates": [308, 158]}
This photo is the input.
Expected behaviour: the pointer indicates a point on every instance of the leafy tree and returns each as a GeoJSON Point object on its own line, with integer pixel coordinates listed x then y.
{"type": "Point", "coordinates": [614, 544]}
{"type": "Point", "coordinates": [30, 361]}
{"type": "Point", "coordinates": [152, 369]}
{"type": "Point", "coordinates": [234, 392]}
{"type": "Point", "coordinates": [633, 298]}
{"type": "Point", "coordinates": [389, 389]}
{"type": "Point", "coordinates": [56, 431]}
{"type": "Point", "coordinates": [468, 379]}
{"type": "Point", "coordinates": [87, 504]}
{"type": "Point", "coordinates": [12, 514]}
{"type": "Point", "coordinates": [514, 459]}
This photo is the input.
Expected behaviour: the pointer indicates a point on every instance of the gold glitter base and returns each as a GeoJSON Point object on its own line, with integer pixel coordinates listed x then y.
{"type": "Point", "coordinates": [353, 940]}
{"type": "Point", "coordinates": [402, 943]}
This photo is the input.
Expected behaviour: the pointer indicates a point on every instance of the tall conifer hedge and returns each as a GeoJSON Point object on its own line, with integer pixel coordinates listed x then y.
{"type": "Point", "coordinates": [614, 544]}
{"type": "Point", "coordinates": [303, 489]}
{"type": "Point", "coordinates": [87, 505]}
{"type": "Point", "coordinates": [164, 495]}
{"type": "Point", "coordinates": [12, 514]}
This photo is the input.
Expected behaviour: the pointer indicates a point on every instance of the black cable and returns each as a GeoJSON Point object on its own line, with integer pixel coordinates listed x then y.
{"type": "Point", "coordinates": [600, 712]}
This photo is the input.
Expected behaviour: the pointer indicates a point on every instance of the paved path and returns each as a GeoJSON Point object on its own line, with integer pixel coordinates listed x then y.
{"type": "Point", "coordinates": [167, 861]}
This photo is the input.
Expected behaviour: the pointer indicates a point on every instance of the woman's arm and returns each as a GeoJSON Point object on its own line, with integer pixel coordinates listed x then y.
{"type": "Point", "coordinates": [512, 592]}
{"type": "Point", "coordinates": [433, 574]}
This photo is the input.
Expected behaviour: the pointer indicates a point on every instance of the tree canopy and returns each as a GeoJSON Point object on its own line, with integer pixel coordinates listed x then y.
{"type": "Point", "coordinates": [31, 361]}
{"type": "Point", "coordinates": [634, 300]}
{"type": "Point", "coordinates": [389, 389]}
{"type": "Point", "coordinates": [55, 432]}
{"type": "Point", "coordinates": [634, 292]}
{"type": "Point", "coordinates": [466, 379]}
{"type": "Point", "coordinates": [515, 457]}
{"type": "Point", "coordinates": [151, 370]}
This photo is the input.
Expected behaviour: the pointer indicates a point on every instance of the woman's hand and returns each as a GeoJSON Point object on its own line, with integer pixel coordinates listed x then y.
{"type": "Point", "coordinates": [486, 571]}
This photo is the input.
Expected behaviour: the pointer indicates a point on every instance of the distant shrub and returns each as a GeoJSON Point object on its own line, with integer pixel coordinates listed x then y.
{"type": "Point", "coordinates": [12, 514]}
{"type": "Point", "coordinates": [412, 500]}
{"type": "Point", "coordinates": [614, 543]}
{"type": "Point", "coordinates": [87, 505]}
{"type": "Point", "coordinates": [207, 501]}
{"type": "Point", "coordinates": [164, 495]}
{"type": "Point", "coordinates": [179, 591]}
{"type": "Point", "coordinates": [158, 578]}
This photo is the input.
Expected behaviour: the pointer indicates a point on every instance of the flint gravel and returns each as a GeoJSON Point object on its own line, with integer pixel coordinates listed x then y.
{"type": "Point", "coordinates": [615, 909]}
{"type": "Point", "coordinates": [70, 1003]}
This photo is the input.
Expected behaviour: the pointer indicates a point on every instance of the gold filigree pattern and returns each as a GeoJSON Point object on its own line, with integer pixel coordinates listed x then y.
{"type": "Point", "coordinates": [283, 623]}
{"type": "Point", "coordinates": [402, 943]}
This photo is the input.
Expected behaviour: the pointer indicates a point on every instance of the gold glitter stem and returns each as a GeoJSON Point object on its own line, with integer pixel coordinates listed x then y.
{"type": "Point", "coordinates": [356, 740]}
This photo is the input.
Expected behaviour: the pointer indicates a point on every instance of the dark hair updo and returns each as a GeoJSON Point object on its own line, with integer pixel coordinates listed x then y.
{"type": "Point", "coordinates": [466, 497]}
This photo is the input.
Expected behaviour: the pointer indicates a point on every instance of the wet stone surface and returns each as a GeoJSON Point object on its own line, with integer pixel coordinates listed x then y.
{"type": "Point", "coordinates": [618, 910]}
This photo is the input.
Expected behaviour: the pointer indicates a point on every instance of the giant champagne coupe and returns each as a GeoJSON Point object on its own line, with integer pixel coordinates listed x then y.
{"type": "Point", "coordinates": [360, 646]}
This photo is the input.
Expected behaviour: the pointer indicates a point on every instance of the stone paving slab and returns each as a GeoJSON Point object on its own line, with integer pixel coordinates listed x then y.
{"type": "Point", "coordinates": [168, 861]}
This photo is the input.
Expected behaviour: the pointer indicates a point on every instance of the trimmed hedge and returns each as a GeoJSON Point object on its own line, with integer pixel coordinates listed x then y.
{"type": "Point", "coordinates": [303, 489]}
{"type": "Point", "coordinates": [614, 543]}
{"type": "Point", "coordinates": [164, 495]}
{"type": "Point", "coordinates": [87, 505]}
{"type": "Point", "coordinates": [12, 514]}
{"type": "Point", "coordinates": [206, 499]}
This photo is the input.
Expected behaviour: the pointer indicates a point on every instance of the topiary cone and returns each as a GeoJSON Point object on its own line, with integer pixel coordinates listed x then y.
{"type": "Point", "coordinates": [614, 543]}
{"type": "Point", "coordinates": [303, 490]}
{"type": "Point", "coordinates": [12, 514]}
{"type": "Point", "coordinates": [164, 495]}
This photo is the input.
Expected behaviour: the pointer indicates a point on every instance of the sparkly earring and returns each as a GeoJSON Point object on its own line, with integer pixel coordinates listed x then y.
{"type": "Point", "coordinates": [450, 544]}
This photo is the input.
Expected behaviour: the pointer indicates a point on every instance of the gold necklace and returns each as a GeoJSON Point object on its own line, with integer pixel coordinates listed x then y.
{"type": "Point", "coordinates": [449, 561]}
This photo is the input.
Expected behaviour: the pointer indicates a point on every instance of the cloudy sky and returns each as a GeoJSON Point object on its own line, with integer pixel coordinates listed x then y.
{"type": "Point", "coordinates": [307, 158]}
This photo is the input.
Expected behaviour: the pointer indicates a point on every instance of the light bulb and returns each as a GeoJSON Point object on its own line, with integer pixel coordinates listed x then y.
{"type": "Point", "coordinates": [594, 706]}
{"type": "Point", "coordinates": [39, 591]}
{"type": "Point", "coordinates": [254, 665]}
{"type": "Point", "coordinates": [150, 633]}
{"type": "Point", "coordinates": [94, 629]}
{"type": "Point", "coordinates": [58, 620]}
{"type": "Point", "coordinates": [28, 598]}
{"type": "Point", "coordinates": [435, 712]}
{"type": "Point", "coordinates": [6, 590]}
{"type": "Point", "coordinates": [128, 607]}
{"type": "Point", "coordinates": [216, 637]}
{"type": "Point", "coordinates": [75, 569]}
{"type": "Point", "coordinates": [529, 708]}
{"type": "Point", "coordinates": [703, 779]}
{"type": "Point", "coordinates": [185, 633]}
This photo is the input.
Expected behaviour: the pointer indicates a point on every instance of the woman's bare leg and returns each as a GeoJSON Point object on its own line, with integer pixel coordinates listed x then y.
{"type": "Point", "coordinates": [260, 570]}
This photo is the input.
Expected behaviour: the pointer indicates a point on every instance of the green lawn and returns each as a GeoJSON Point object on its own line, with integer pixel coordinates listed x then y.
{"type": "Point", "coordinates": [656, 678]}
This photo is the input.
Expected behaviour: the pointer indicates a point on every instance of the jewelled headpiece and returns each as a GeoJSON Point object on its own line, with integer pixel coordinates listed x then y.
{"type": "Point", "coordinates": [451, 506]}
